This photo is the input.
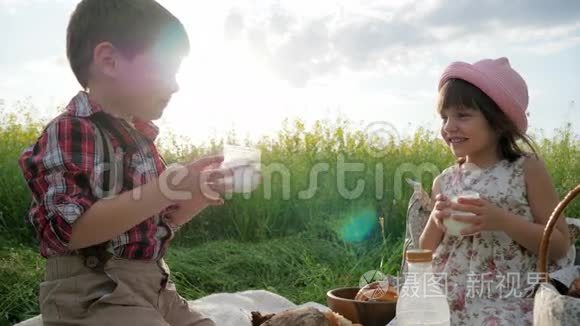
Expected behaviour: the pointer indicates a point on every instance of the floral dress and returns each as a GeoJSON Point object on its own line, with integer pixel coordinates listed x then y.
{"type": "Point", "coordinates": [489, 277]}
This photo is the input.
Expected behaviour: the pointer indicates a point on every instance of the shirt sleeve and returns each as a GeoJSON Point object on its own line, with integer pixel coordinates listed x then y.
{"type": "Point", "coordinates": [58, 171]}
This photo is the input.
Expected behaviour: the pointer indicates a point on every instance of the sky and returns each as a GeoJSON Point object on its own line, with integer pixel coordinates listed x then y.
{"type": "Point", "coordinates": [255, 63]}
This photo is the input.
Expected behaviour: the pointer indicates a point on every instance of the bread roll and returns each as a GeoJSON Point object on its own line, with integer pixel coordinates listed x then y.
{"type": "Point", "coordinates": [301, 316]}
{"type": "Point", "coordinates": [377, 291]}
{"type": "Point", "coordinates": [575, 289]}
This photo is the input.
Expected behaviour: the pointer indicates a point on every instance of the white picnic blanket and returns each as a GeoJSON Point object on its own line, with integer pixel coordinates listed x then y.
{"type": "Point", "coordinates": [231, 308]}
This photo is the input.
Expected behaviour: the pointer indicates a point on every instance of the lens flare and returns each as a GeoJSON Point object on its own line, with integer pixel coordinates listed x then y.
{"type": "Point", "coordinates": [359, 227]}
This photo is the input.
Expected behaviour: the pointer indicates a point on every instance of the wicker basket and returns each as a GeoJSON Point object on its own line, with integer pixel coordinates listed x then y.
{"type": "Point", "coordinates": [550, 307]}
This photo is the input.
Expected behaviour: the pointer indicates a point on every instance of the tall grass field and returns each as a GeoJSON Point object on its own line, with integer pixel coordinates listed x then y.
{"type": "Point", "coordinates": [310, 227]}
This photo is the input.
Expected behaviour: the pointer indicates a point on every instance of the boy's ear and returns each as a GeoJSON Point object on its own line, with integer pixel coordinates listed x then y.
{"type": "Point", "coordinates": [105, 59]}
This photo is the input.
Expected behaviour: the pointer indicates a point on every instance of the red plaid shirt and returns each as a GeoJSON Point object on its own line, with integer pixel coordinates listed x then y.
{"type": "Point", "coordinates": [64, 168]}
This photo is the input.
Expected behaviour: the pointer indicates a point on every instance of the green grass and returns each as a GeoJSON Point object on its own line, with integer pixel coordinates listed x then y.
{"type": "Point", "coordinates": [300, 267]}
{"type": "Point", "coordinates": [21, 269]}
{"type": "Point", "coordinates": [16, 133]}
{"type": "Point", "coordinates": [299, 247]}
{"type": "Point", "coordinates": [282, 211]}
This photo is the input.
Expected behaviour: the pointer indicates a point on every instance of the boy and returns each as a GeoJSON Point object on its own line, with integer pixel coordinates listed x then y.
{"type": "Point", "coordinates": [104, 206]}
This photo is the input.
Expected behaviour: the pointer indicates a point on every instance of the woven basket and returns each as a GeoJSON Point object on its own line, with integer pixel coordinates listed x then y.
{"type": "Point", "coordinates": [550, 307]}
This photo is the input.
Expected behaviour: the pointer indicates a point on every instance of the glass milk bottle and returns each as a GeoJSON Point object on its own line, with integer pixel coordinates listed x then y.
{"type": "Point", "coordinates": [421, 300]}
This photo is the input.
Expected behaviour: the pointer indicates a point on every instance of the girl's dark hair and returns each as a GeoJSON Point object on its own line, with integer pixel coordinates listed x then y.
{"type": "Point", "coordinates": [459, 93]}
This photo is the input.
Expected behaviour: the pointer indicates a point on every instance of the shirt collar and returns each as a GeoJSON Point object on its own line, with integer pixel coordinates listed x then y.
{"type": "Point", "coordinates": [82, 106]}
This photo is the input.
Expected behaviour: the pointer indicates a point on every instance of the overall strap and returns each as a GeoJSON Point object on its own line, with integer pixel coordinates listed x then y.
{"type": "Point", "coordinates": [96, 256]}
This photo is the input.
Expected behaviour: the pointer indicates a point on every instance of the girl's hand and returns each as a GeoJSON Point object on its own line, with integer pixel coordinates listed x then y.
{"type": "Point", "coordinates": [441, 211]}
{"type": "Point", "coordinates": [488, 217]}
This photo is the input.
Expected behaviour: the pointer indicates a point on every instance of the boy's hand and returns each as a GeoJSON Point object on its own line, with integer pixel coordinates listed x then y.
{"type": "Point", "coordinates": [441, 211]}
{"type": "Point", "coordinates": [199, 184]}
{"type": "Point", "coordinates": [488, 217]}
{"type": "Point", "coordinates": [202, 181]}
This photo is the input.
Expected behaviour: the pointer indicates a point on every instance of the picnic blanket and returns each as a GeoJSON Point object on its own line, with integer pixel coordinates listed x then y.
{"type": "Point", "coordinates": [231, 308]}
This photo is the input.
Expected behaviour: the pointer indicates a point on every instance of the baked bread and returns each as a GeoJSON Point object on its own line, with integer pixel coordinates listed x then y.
{"type": "Point", "coordinates": [302, 317]}
{"type": "Point", "coordinates": [574, 290]}
{"type": "Point", "coordinates": [377, 291]}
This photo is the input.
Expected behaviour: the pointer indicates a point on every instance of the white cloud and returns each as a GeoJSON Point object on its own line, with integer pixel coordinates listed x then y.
{"type": "Point", "coordinates": [548, 48]}
{"type": "Point", "coordinates": [482, 13]}
{"type": "Point", "coordinates": [400, 38]}
{"type": "Point", "coordinates": [369, 60]}
{"type": "Point", "coordinates": [47, 83]}
{"type": "Point", "coordinates": [15, 5]}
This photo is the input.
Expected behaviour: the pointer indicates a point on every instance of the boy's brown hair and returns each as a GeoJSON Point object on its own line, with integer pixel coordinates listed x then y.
{"type": "Point", "coordinates": [131, 26]}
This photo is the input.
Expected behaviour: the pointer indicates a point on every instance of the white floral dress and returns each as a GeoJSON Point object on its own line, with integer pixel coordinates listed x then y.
{"type": "Point", "coordinates": [488, 276]}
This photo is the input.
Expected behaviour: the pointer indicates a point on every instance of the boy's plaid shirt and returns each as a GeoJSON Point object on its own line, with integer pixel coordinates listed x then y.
{"type": "Point", "coordinates": [64, 169]}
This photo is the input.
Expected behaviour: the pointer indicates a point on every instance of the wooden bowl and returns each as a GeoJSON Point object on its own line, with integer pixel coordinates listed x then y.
{"type": "Point", "coordinates": [368, 313]}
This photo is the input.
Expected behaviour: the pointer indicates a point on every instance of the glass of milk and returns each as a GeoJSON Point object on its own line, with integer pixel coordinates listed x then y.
{"type": "Point", "coordinates": [454, 227]}
{"type": "Point", "coordinates": [245, 163]}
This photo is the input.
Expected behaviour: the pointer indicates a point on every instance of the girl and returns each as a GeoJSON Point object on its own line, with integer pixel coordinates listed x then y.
{"type": "Point", "coordinates": [490, 268]}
